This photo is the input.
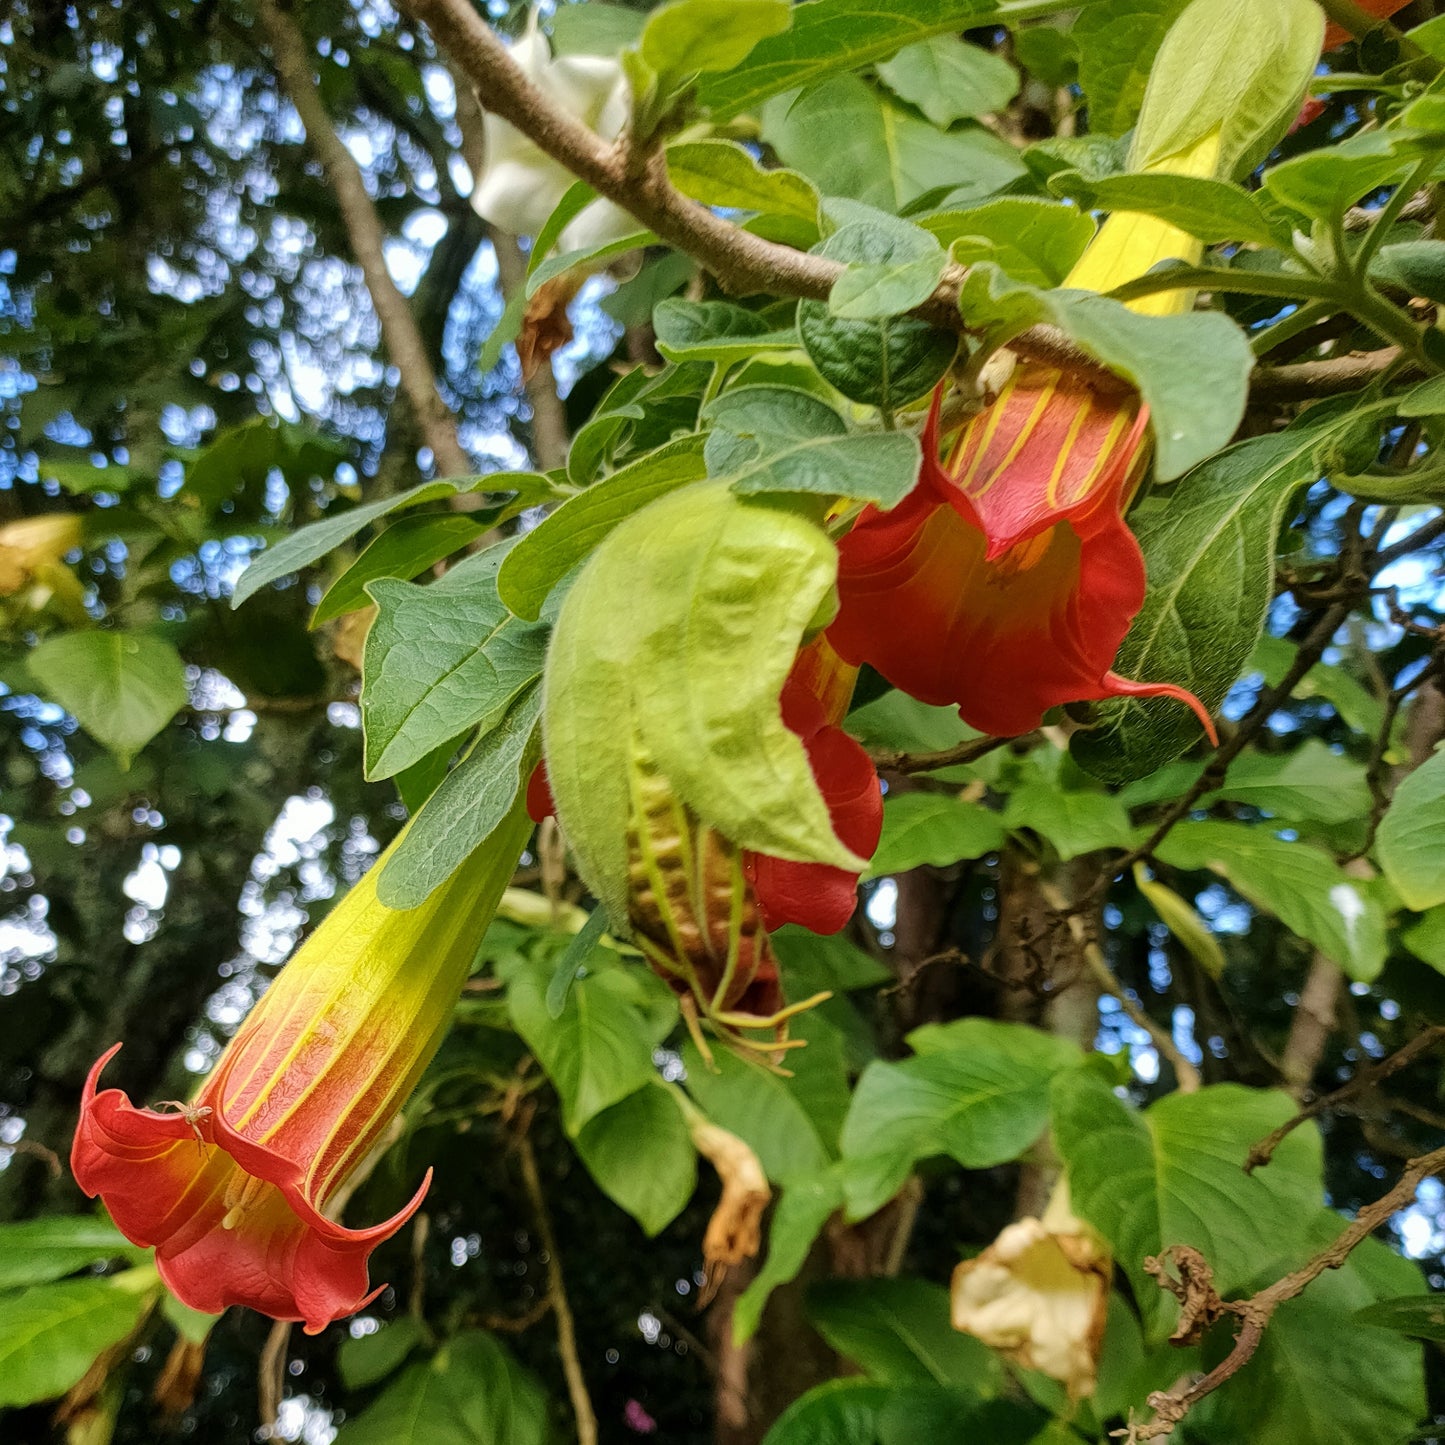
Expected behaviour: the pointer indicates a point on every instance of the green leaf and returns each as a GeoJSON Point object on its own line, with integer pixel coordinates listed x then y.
{"type": "Point", "coordinates": [640, 1153]}
{"type": "Point", "coordinates": [806, 1205]}
{"type": "Point", "coordinates": [505, 332]}
{"type": "Point", "coordinates": [1192, 370]}
{"type": "Point", "coordinates": [1425, 938]}
{"type": "Point", "coordinates": [1174, 1175]}
{"type": "Point", "coordinates": [1117, 42]}
{"type": "Point", "coordinates": [1213, 211]}
{"type": "Point", "coordinates": [1426, 399]}
{"type": "Point", "coordinates": [303, 547]}
{"type": "Point", "coordinates": [900, 1332]}
{"type": "Point", "coordinates": [600, 1050]}
{"type": "Point", "coordinates": [1180, 918]}
{"type": "Point", "coordinates": [36, 1251]}
{"type": "Point", "coordinates": [850, 140]}
{"type": "Point", "coordinates": [779, 439]}
{"type": "Point", "coordinates": [1325, 183]}
{"type": "Point", "coordinates": [471, 1392]}
{"type": "Point", "coordinates": [590, 258]}
{"type": "Point", "coordinates": [791, 1122]}
{"type": "Point", "coordinates": [1075, 823]}
{"type": "Point", "coordinates": [575, 199]}
{"type": "Point", "coordinates": [1307, 784]}
{"type": "Point", "coordinates": [887, 362]}
{"type": "Point", "coordinates": [692, 36]}
{"type": "Point", "coordinates": [1034, 241]}
{"type": "Point", "coordinates": [236, 464]}
{"type": "Point", "coordinates": [1420, 1315]}
{"type": "Point", "coordinates": [977, 1091]}
{"type": "Point", "coordinates": [51, 1334]}
{"type": "Point", "coordinates": [364, 1360]}
{"type": "Point", "coordinates": [1210, 557]}
{"type": "Point", "coordinates": [1301, 886]}
{"type": "Point", "coordinates": [716, 331]}
{"type": "Point", "coordinates": [595, 28]}
{"type": "Point", "coordinates": [441, 659]}
{"type": "Point", "coordinates": [193, 1326]}
{"type": "Point", "coordinates": [949, 80]}
{"type": "Point", "coordinates": [932, 828]}
{"type": "Point", "coordinates": [837, 1412]}
{"type": "Point", "coordinates": [676, 640]}
{"type": "Point", "coordinates": [723, 173]}
{"type": "Point", "coordinates": [85, 478]}
{"type": "Point", "coordinates": [832, 35]}
{"type": "Point", "coordinates": [815, 964]}
{"type": "Point", "coordinates": [1411, 841]}
{"type": "Point", "coordinates": [1354, 704]}
{"type": "Point", "coordinates": [469, 805]}
{"type": "Point", "coordinates": [121, 687]}
{"type": "Point", "coordinates": [570, 963]}
{"type": "Point", "coordinates": [405, 549]}
{"type": "Point", "coordinates": [904, 273]}
{"type": "Point", "coordinates": [898, 721]}
{"type": "Point", "coordinates": [542, 557]}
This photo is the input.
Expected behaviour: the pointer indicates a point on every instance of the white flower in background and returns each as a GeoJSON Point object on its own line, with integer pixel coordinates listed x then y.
{"type": "Point", "coordinates": [1039, 1294]}
{"type": "Point", "coordinates": [522, 185]}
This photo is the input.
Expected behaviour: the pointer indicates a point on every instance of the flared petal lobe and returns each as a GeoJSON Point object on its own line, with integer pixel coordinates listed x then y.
{"type": "Point", "coordinates": [231, 1189]}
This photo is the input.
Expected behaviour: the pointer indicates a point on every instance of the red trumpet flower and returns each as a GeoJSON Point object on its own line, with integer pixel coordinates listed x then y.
{"type": "Point", "coordinates": [1006, 581]}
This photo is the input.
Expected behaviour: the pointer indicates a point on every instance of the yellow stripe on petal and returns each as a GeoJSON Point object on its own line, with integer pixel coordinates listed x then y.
{"type": "Point", "coordinates": [1130, 244]}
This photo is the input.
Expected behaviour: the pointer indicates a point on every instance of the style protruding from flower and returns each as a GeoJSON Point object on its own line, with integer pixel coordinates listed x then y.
{"type": "Point", "coordinates": [232, 1188]}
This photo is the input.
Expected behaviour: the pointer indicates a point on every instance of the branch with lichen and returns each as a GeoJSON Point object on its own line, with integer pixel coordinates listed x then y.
{"type": "Point", "coordinates": [1201, 1305]}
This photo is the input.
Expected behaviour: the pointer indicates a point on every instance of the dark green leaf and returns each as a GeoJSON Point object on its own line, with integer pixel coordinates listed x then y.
{"type": "Point", "coordinates": [903, 270]}
{"type": "Point", "coordinates": [1117, 41]}
{"type": "Point", "coordinates": [777, 439]}
{"type": "Point", "coordinates": [365, 1359]}
{"type": "Point", "coordinates": [641, 1156]}
{"type": "Point", "coordinates": [716, 331]}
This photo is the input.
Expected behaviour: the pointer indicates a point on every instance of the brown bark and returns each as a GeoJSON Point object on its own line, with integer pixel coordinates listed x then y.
{"type": "Point", "coordinates": [399, 332]}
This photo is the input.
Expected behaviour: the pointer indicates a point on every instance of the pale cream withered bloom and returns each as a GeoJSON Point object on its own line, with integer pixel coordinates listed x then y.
{"type": "Point", "coordinates": [521, 184]}
{"type": "Point", "coordinates": [1039, 1294]}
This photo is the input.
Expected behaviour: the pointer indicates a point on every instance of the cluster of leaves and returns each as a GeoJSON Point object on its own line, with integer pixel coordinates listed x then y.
{"type": "Point", "coordinates": [875, 153]}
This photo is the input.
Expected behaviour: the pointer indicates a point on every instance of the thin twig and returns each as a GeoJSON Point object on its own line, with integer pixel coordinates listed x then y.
{"type": "Point", "coordinates": [557, 1293]}
{"type": "Point", "coordinates": [1254, 1314]}
{"type": "Point", "coordinates": [1262, 1152]}
{"type": "Point", "coordinates": [1093, 956]}
{"type": "Point", "coordinates": [886, 760]}
{"type": "Point", "coordinates": [294, 68]}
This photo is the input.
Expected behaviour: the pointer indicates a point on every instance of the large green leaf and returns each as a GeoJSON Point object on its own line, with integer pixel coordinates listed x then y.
{"type": "Point", "coordinates": [832, 35]}
{"type": "Point", "coordinates": [121, 687]}
{"type": "Point", "coordinates": [779, 439]}
{"type": "Point", "coordinates": [716, 331]}
{"type": "Point", "coordinates": [1307, 784]}
{"type": "Point", "coordinates": [1073, 822]}
{"type": "Point", "coordinates": [542, 557]}
{"type": "Point", "coordinates": [302, 548]}
{"type": "Point", "coordinates": [641, 1156]}
{"type": "Point", "coordinates": [851, 140]}
{"type": "Point", "coordinates": [367, 1359]}
{"type": "Point", "coordinates": [977, 1091]}
{"type": "Point", "coordinates": [1419, 1315]}
{"type": "Point", "coordinates": [1211, 210]}
{"type": "Point", "coordinates": [51, 1334]}
{"type": "Point", "coordinates": [838, 1412]}
{"type": "Point", "coordinates": [949, 79]}
{"type": "Point", "coordinates": [1303, 887]}
{"type": "Point", "coordinates": [599, 1050]}
{"type": "Point", "coordinates": [676, 640]}
{"type": "Point", "coordinates": [471, 1392]}
{"type": "Point", "coordinates": [1210, 552]}
{"type": "Point", "coordinates": [441, 659]}
{"type": "Point", "coordinates": [36, 1251]}
{"type": "Point", "coordinates": [933, 828]}
{"type": "Point", "coordinates": [904, 271]}
{"type": "Point", "coordinates": [471, 801]}
{"type": "Point", "coordinates": [1411, 842]}
{"type": "Point", "coordinates": [1174, 1174]}
{"type": "Point", "coordinates": [899, 1331]}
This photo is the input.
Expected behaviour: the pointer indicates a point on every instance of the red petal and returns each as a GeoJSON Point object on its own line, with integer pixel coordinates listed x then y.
{"type": "Point", "coordinates": [166, 1188]}
{"type": "Point", "coordinates": [539, 795]}
{"type": "Point", "coordinates": [1381, 9]}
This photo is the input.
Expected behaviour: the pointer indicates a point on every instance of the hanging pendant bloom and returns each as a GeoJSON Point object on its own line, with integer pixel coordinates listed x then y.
{"type": "Point", "coordinates": [232, 1187]}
